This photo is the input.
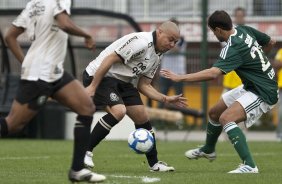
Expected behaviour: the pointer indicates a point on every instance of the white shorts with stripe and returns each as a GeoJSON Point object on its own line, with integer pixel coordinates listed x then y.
{"type": "Point", "coordinates": [253, 105]}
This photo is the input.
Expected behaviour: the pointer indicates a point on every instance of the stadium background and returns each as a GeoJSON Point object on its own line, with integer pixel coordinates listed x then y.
{"type": "Point", "coordinates": [264, 15]}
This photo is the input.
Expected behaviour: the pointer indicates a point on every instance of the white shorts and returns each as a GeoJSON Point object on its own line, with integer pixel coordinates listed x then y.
{"type": "Point", "coordinates": [252, 104]}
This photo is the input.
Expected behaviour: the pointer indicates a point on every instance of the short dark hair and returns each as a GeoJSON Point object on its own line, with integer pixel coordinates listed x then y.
{"type": "Point", "coordinates": [220, 19]}
{"type": "Point", "coordinates": [239, 9]}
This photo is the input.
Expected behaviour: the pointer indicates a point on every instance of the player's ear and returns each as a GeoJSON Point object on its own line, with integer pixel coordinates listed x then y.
{"type": "Point", "coordinates": [217, 30]}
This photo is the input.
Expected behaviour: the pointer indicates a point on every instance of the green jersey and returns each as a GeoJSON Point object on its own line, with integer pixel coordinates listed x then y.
{"type": "Point", "coordinates": [244, 55]}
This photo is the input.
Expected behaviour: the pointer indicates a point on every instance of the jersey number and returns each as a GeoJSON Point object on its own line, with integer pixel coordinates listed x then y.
{"type": "Point", "coordinates": [138, 69]}
{"type": "Point", "coordinates": [265, 64]}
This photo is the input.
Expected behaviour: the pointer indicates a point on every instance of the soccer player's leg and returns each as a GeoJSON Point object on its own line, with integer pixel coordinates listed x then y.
{"type": "Point", "coordinates": [19, 116]}
{"type": "Point", "coordinates": [103, 127]}
{"type": "Point", "coordinates": [71, 93]}
{"type": "Point", "coordinates": [29, 99]}
{"type": "Point", "coordinates": [213, 131]}
{"type": "Point", "coordinates": [111, 100]}
{"type": "Point", "coordinates": [232, 115]}
{"type": "Point", "coordinates": [140, 117]}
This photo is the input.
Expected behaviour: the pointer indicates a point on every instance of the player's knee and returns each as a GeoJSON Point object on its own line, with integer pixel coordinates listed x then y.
{"type": "Point", "coordinates": [141, 119]}
{"type": "Point", "coordinates": [118, 112]}
{"type": "Point", "coordinates": [87, 109]}
{"type": "Point", "coordinates": [213, 115]}
{"type": "Point", "coordinates": [15, 127]}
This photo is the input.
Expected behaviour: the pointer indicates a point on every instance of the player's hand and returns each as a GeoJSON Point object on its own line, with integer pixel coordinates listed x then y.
{"type": "Point", "coordinates": [90, 91]}
{"type": "Point", "coordinates": [90, 43]}
{"type": "Point", "coordinates": [177, 100]}
{"type": "Point", "coordinates": [170, 75]}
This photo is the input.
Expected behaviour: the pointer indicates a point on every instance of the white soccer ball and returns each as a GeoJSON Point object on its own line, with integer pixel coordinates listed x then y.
{"type": "Point", "coordinates": [141, 141]}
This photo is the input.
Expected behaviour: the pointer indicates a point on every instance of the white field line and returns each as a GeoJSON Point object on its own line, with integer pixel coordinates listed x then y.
{"type": "Point", "coordinates": [144, 179]}
{"type": "Point", "coordinates": [25, 158]}
{"type": "Point", "coordinates": [133, 155]}
{"type": "Point", "coordinates": [255, 154]}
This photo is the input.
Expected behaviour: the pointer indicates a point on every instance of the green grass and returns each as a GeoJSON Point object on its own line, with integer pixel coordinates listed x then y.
{"type": "Point", "coordinates": [38, 161]}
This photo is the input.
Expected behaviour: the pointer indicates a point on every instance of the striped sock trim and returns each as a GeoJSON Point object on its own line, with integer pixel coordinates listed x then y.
{"type": "Point", "coordinates": [229, 126]}
{"type": "Point", "coordinates": [214, 123]}
{"type": "Point", "coordinates": [105, 125]}
{"type": "Point", "coordinates": [79, 125]}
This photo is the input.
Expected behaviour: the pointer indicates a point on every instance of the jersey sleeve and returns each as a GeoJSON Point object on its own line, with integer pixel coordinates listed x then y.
{"type": "Point", "coordinates": [229, 60]}
{"type": "Point", "coordinates": [61, 6]}
{"type": "Point", "coordinates": [262, 38]}
{"type": "Point", "coordinates": [130, 47]}
{"type": "Point", "coordinates": [278, 56]}
{"type": "Point", "coordinates": [21, 20]}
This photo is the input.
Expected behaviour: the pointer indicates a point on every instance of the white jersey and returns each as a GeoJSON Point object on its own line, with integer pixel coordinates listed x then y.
{"type": "Point", "coordinates": [45, 57]}
{"type": "Point", "coordinates": [139, 57]}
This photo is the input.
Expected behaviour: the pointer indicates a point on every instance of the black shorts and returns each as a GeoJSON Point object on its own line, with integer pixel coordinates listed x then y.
{"type": "Point", "coordinates": [36, 93]}
{"type": "Point", "coordinates": [112, 91]}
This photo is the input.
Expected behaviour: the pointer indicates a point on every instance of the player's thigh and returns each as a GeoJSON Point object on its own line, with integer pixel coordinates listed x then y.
{"type": "Point", "coordinates": [30, 97]}
{"type": "Point", "coordinates": [137, 113]}
{"type": "Point", "coordinates": [216, 111]}
{"type": "Point", "coordinates": [74, 96]}
{"type": "Point", "coordinates": [19, 116]}
{"type": "Point", "coordinates": [234, 113]}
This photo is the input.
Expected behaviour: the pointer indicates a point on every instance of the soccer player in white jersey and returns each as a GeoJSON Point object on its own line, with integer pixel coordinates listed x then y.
{"type": "Point", "coordinates": [47, 24]}
{"type": "Point", "coordinates": [109, 78]}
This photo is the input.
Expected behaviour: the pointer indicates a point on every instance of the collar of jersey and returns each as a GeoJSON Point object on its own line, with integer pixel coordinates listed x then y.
{"type": "Point", "coordinates": [234, 34]}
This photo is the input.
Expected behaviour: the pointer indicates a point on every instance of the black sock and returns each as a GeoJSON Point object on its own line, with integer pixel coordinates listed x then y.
{"type": "Point", "coordinates": [152, 156]}
{"type": "Point", "coordinates": [3, 128]}
{"type": "Point", "coordinates": [81, 140]}
{"type": "Point", "coordinates": [101, 130]}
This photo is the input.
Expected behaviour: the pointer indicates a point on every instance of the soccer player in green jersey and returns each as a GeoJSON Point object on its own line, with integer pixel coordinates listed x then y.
{"type": "Point", "coordinates": [245, 54]}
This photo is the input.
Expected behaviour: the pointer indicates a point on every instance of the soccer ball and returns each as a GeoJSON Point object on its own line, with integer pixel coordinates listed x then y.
{"type": "Point", "coordinates": [141, 141]}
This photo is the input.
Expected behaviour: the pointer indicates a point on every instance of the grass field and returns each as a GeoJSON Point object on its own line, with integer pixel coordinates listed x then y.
{"type": "Point", "coordinates": [38, 161]}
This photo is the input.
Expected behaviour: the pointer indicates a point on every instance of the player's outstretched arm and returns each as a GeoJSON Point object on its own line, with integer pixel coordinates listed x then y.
{"type": "Point", "coordinates": [11, 41]}
{"type": "Point", "coordinates": [101, 72]}
{"type": "Point", "coordinates": [67, 25]}
{"type": "Point", "coordinates": [204, 75]}
{"type": "Point", "coordinates": [145, 87]}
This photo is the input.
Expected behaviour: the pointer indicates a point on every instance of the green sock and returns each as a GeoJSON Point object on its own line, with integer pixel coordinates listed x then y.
{"type": "Point", "coordinates": [213, 132]}
{"type": "Point", "coordinates": [239, 142]}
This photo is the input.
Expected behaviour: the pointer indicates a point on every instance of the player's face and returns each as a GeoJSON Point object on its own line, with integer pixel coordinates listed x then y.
{"type": "Point", "coordinates": [218, 33]}
{"type": "Point", "coordinates": [167, 40]}
{"type": "Point", "coordinates": [239, 17]}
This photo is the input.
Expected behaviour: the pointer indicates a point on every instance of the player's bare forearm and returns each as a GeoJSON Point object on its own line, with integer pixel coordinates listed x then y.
{"type": "Point", "coordinates": [145, 87]}
{"type": "Point", "coordinates": [204, 75]}
{"type": "Point", "coordinates": [150, 92]}
{"type": "Point", "coordinates": [16, 49]}
{"type": "Point", "coordinates": [12, 43]}
{"type": "Point", "coordinates": [267, 48]}
{"type": "Point", "coordinates": [104, 68]}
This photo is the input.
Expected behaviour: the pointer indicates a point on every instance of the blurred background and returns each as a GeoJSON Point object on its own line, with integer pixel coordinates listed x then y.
{"type": "Point", "coordinates": [108, 20]}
